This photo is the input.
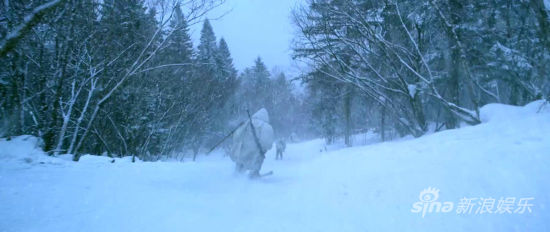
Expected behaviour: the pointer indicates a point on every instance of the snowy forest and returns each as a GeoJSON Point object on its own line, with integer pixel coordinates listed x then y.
{"type": "Point", "coordinates": [274, 115]}
{"type": "Point", "coordinates": [410, 67]}
{"type": "Point", "coordinates": [120, 78]}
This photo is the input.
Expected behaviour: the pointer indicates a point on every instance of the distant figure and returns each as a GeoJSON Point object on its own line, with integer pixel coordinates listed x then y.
{"type": "Point", "coordinates": [248, 147]}
{"type": "Point", "coordinates": [281, 146]}
{"type": "Point", "coordinates": [293, 137]}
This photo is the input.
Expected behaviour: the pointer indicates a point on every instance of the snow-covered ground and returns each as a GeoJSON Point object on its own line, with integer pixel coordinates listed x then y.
{"type": "Point", "coordinates": [367, 188]}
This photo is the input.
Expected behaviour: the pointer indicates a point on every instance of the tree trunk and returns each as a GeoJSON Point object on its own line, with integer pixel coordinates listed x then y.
{"type": "Point", "coordinates": [383, 124]}
{"type": "Point", "coordinates": [347, 114]}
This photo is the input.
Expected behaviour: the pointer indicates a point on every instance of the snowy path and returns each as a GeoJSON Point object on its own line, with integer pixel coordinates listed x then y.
{"type": "Point", "coordinates": [368, 188]}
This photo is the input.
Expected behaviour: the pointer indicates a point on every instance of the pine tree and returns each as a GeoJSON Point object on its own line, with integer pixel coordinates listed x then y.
{"type": "Point", "coordinates": [225, 62]}
{"type": "Point", "coordinates": [256, 87]}
{"type": "Point", "coordinates": [179, 46]}
{"type": "Point", "coordinates": [129, 26]}
{"type": "Point", "coordinates": [207, 46]}
{"type": "Point", "coordinates": [210, 87]}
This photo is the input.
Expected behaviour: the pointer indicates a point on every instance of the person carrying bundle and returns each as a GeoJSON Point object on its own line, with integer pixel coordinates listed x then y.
{"type": "Point", "coordinates": [250, 142]}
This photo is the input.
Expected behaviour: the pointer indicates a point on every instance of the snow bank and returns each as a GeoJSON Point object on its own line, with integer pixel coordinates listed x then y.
{"type": "Point", "coordinates": [508, 113]}
{"type": "Point", "coordinates": [24, 148]}
{"type": "Point", "coordinates": [366, 188]}
{"type": "Point", "coordinates": [28, 149]}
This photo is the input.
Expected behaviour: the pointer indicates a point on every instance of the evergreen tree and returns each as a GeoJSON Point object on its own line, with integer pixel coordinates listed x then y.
{"type": "Point", "coordinates": [261, 85]}
{"type": "Point", "coordinates": [179, 46]}
{"type": "Point", "coordinates": [228, 77]}
{"type": "Point", "coordinates": [207, 48]}
{"type": "Point", "coordinates": [225, 63]}
{"type": "Point", "coordinates": [217, 78]}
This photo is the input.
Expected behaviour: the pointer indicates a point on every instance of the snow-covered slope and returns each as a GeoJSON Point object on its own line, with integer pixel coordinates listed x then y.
{"type": "Point", "coordinates": [368, 188]}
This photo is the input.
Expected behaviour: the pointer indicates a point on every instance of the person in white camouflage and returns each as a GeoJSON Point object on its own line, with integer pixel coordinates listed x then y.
{"type": "Point", "coordinates": [249, 146]}
{"type": "Point", "coordinates": [280, 146]}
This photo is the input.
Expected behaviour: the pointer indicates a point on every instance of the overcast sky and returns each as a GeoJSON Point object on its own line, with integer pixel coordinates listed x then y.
{"type": "Point", "coordinates": [255, 28]}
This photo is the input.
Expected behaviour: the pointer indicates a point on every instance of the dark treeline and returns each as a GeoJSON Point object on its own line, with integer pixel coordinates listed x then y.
{"type": "Point", "coordinates": [409, 67]}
